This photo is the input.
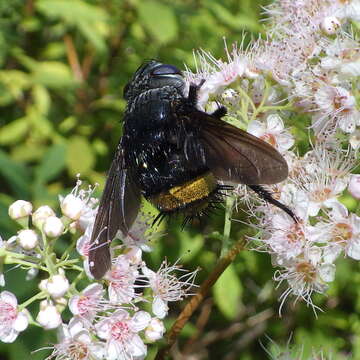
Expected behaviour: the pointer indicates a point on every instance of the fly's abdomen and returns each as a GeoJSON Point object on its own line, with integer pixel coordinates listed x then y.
{"type": "Point", "coordinates": [190, 197]}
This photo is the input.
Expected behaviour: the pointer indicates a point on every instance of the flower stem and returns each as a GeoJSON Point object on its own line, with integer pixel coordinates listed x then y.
{"type": "Point", "coordinates": [227, 226]}
{"type": "Point", "coordinates": [48, 255]}
{"type": "Point", "coordinates": [259, 109]}
{"type": "Point", "coordinates": [40, 295]}
{"type": "Point", "coordinates": [197, 299]}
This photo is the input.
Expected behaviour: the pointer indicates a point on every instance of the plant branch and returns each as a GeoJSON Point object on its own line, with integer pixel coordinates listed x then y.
{"type": "Point", "coordinates": [197, 299]}
{"type": "Point", "coordinates": [73, 58]}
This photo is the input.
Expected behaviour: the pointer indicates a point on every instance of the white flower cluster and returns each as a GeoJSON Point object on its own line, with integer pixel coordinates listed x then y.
{"type": "Point", "coordinates": [107, 322]}
{"type": "Point", "coordinates": [308, 67]}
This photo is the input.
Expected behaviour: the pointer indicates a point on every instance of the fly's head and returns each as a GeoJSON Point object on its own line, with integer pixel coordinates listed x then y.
{"type": "Point", "coordinates": [153, 75]}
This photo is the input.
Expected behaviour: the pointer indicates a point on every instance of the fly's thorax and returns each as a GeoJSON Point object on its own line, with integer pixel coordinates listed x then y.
{"type": "Point", "coordinates": [151, 109]}
{"type": "Point", "coordinates": [190, 197]}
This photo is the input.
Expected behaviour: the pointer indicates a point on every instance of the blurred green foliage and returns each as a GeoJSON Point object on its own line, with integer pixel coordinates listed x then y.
{"type": "Point", "coordinates": [63, 65]}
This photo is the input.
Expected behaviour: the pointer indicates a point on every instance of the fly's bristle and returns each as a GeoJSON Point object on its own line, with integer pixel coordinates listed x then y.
{"type": "Point", "coordinates": [197, 210]}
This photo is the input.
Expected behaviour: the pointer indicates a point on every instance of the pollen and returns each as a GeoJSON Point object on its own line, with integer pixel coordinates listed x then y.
{"type": "Point", "coordinates": [307, 270]}
{"type": "Point", "coordinates": [342, 232]}
{"type": "Point", "coordinates": [321, 195]}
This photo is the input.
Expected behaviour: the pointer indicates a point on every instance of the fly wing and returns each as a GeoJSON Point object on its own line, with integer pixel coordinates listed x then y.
{"type": "Point", "coordinates": [118, 209]}
{"type": "Point", "coordinates": [237, 156]}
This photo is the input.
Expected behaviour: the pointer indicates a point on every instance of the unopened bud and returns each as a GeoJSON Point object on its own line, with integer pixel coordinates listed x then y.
{"type": "Point", "coordinates": [41, 214]}
{"type": "Point", "coordinates": [48, 316]}
{"type": "Point", "coordinates": [53, 226]}
{"type": "Point", "coordinates": [71, 206]}
{"type": "Point", "coordinates": [155, 330]}
{"type": "Point", "coordinates": [20, 209]}
{"type": "Point", "coordinates": [28, 239]}
{"type": "Point", "coordinates": [57, 285]}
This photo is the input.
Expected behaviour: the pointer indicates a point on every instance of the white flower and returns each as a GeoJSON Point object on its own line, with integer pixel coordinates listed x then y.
{"type": "Point", "coordinates": [134, 255]}
{"type": "Point", "coordinates": [76, 343]}
{"type": "Point", "coordinates": [53, 226]}
{"type": "Point", "coordinates": [139, 234]}
{"type": "Point", "coordinates": [20, 209]}
{"type": "Point", "coordinates": [287, 238]}
{"type": "Point", "coordinates": [83, 248]}
{"type": "Point", "coordinates": [31, 274]}
{"type": "Point", "coordinates": [306, 274]}
{"type": "Point", "coordinates": [339, 105]}
{"type": "Point", "coordinates": [121, 277]}
{"type": "Point", "coordinates": [71, 206]}
{"type": "Point", "coordinates": [57, 285]}
{"type": "Point", "coordinates": [83, 242]}
{"type": "Point", "coordinates": [343, 56]}
{"type": "Point", "coordinates": [121, 334]}
{"type": "Point", "coordinates": [326, 176]}
{"type": "Point", "coordinates": [352, 10]}
{"type": "Point", "coordinates": [330, 25]}
{"type": "Point", "coordinates": [12, 321]}
{"type": "Point", "coordinates": [48, 316]}
{"type": "Point", "coordinates": [2, 277]}
{"type": "Point", "coordinates": [88, 303]}
{"type": "Point", "coordinates": [272, 132]}
{"type": "Point", "coordinates": [354, 186]}
{"type": "Point", "coordinates": [28, 239]}
{"type": "Point", "coordinates": [167, 287]}
{"type": "Point", "coordinates": [79, 205]}
{"type": "Point", "coordinates": [324, 194]}
{"type": "Point", "coordinates": [216, 73]}
{"type": "Point", "coordinates": [42, 213]}
{"type": "Point", "coordinates": [342, 231]}
{"type": "Point", "coordinates": [155, 330]}
{"type": "Point", "coordinates": [354, 139]}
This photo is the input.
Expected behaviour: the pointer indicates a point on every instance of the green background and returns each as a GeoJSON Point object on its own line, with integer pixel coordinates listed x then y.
{"type": "Point", "coordinates": [64, 64]}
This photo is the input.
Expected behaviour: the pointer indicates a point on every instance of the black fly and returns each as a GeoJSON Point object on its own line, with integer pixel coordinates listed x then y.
{"type": "Point", "coordinates": [174, 155]}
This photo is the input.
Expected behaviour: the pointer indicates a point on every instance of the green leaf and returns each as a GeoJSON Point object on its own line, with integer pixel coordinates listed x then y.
{"type": "Point", "coordinates": [88, 18]}
{"type": "Point", "coordinates": [12, 85]}
{"type": "Point", "coordinates": [14, 131]}
{"type": "Point", "coordinates": [53, 74]}
{"type": "Point", "coordinates": [42, 124]}
{"type": "Point", "coordinates": [92, 35]}
{"type": "Point", "coordinates": [28, 151]}
{"type": "Point", "coordinates": [234, 21]}
{"type": "Point", "coordinates": [227, 292]}
{"type": "Point", "coordinates": [80, 157]}
{"type": "Point", "coordinates": [72, 11]}
{"type": "Point", "coordinates": [41, 98]}
{"type": "Point", "coordinates": [53, 162]}
{"type": "Point", "coordinates": [189, 245]}
{"type": "Point", "coordinates": [159, 20]}
{"type": "Point", "coordinates": [16, 175]}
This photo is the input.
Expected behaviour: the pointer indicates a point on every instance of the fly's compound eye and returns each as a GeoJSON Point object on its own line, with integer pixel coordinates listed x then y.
{"type": "Point", "coordinates": [166, 70]}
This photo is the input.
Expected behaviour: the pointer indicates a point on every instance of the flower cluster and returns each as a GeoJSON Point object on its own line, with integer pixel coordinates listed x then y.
{"type": "Point", "coordinates": [304, 74]}
{"type": "Point", "coordinates": [107, 318]}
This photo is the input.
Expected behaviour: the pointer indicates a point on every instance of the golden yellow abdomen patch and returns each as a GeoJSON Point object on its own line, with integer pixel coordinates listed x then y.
{"type": "Point", "coordinates": [184, 195]}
